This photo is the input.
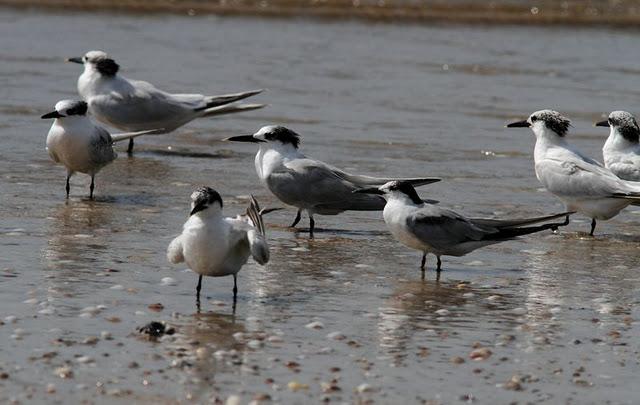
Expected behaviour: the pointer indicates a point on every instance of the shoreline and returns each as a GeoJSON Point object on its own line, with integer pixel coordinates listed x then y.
{"type": "Point", "coordinates": [625, 14]}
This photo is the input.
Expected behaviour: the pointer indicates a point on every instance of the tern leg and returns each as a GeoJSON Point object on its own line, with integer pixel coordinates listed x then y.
{"type": "Point", "coordinates": [91, 187]}
{"type": "Point", "coordinates": [68, 188]}
{"type": "Point", "coordinates": [312, 225]}
{"type": "Point", "coordinates": [424, 260]}
{"type": "Point", "coordinates": [235, 287]}
{"type": "Point", "coordinates": [198, 288]}
{"type": "Point", "coordinates": [130, 147]}
{"type": "Point", "coordinates": [295, 221]}
{"type": "Point", "coordinates": [439, 268]}
{"type": "Point", "coordinates": [593, 226]}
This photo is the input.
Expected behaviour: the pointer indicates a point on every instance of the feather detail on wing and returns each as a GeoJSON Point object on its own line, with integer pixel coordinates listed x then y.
{"type": "Point", "coordinates": [509, 223]}
{"type": "Point", "coordinates": [582, 179]}
{"type": "Point", "coordinates": [442, 228]}
{"type": "Point", "coordinates": [101, 151]}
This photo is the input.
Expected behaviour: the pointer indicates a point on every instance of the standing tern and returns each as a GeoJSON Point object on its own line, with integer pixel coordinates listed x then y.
{"type": "Point", "coordinates": [78, 143]}
{"type": "Point", "coordinates": [423, 226]}
{"type": "Point", "coordinates": [133, 105]}
{"type": "Point", "coordinates": [621, 151]}
{"type": "Point", "coordinates": [583, 184]}
{"type": "Point", "coordinates": [215, 246]}
{"type": "Point", "coordinates": [310, 185]}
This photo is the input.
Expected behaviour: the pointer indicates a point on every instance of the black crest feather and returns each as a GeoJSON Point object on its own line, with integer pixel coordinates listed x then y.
{"type": "Point", "coordinates": [553, 120]}
{"type": "Point", "coordinates": [284, 135]}
{"type": "Point", "coordinates": [626, 124]}
{"type": "Point", "coordinates": [406, 188]}
{"type": "Point", "coordinates": [79, 108]}
{"type": "Point", "coordinates": [107, 67]}
{"type": "Point", "coordinates": [204, 197]}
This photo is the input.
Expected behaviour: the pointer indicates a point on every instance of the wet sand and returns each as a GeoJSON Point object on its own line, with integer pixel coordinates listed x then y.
{"type": "Point", "coordinates": [345, 317]}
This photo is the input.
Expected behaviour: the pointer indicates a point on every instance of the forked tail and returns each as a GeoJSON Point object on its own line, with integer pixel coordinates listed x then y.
{"type": "Point", "coordinates": [231, 109]}
{"type": "Point", "coordinates": [216, 101]}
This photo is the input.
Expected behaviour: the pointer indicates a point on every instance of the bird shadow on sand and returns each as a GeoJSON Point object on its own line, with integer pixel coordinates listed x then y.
{"type": "Point", "coordinates": [130, 199]}
{"type": "Point", "coordinates": [335, 231]}
{"type": "Point", "coordinates": [221, 154]}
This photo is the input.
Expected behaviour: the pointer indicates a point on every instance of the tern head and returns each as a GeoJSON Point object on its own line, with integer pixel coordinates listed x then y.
{"type": "Point", "coordinates": [68, 108]}
{"type": "Point", "coordinates": [400, 189]}
{"type": "Point", "coordinates": [273, 134]}
{"type": "Point", "coordinates": [543, 121]}
{"type": "Point", "coordinates": [205, 198]}
{"type": "Point", "coordinates": [623, 123]}
{"type": "Point", "coordinates": [98, 61]}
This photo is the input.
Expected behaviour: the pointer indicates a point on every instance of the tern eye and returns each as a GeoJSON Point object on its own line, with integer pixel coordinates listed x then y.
{"type": "Point", "coordinates": [534, 119]}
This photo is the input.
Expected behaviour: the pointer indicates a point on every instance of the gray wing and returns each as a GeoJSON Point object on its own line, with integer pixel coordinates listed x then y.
{"type": "Point", "coordinates": [581, 178]}
{"type": "Point", "coordinates": [101, 151]}
{"type": "Point", "coordinates": [515, 222]}
{"type": "Point", "coordinates": [309, 183]}
{"type": "Point", "coordinates": [138, 105]}
{"type": "Point", "coordinates": [442, 229]}
{"type": "Point", "coordinates": [365, 181]}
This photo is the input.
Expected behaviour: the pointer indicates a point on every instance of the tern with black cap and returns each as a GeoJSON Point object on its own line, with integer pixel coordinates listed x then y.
{"type": "Point", "coordinates": [621, 151]}
{"type": "Point", "coordinates": [583, 184]}
{"type": "Point", "coordinates": [442, 232]}
{"type": "Point", "coordinates": [214, 245]}
{"type": "Point", "coordinates": [75, 141]}
{"type": "Point", "coordinates": [307, 184]}
{"type": "Point", "coordinates": [133, 105]}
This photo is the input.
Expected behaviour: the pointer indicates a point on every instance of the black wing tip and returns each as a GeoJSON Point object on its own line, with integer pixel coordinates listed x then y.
{"type": "Point", "coordinates": [253, 212]}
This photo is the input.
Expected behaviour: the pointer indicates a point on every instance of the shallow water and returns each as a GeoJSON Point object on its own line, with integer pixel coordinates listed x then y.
{"type": "Point", "coordinates": [558, 312]}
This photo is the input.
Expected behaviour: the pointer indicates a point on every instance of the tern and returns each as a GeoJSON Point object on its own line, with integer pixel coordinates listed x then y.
{"type": "Point", "coordinates": [307, 184]}
{"type": "Point", "coordinates": [621, 151]}
{"type": "Point", "coordinates": [215, 246]}
{"type": "Point", "coordinates": [133, 105]}
{"type": "Point", "coordinates": [583, 184]}
{"type": "Point", "coordinates": [78, 143]}
{"type": "Point", "coordinates": [431, 229]}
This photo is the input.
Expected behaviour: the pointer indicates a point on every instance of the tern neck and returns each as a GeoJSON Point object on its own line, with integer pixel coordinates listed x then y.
{"type": "Point", "coordinates": [271, 156]}
{"type": "Point", "coordinates": [211, 213]}
{"type": "Point", "coordinates": [402, 199]}
{"type": "Point", "coordinates": [74, 121]}
{"type": "Point", "coordinates": [616, 142]}
{"type": "Point", "coordinates": [546, 139]}
{"type": "Point", "coordinates": [90, 81]}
